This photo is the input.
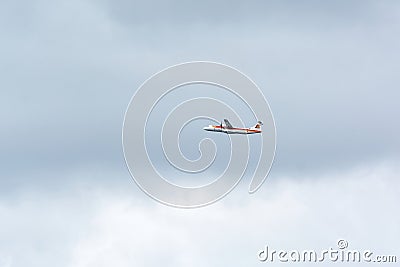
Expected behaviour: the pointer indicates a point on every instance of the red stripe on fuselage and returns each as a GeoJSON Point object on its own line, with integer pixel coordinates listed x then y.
{"type": "Point", "coordinates": [240, 129]}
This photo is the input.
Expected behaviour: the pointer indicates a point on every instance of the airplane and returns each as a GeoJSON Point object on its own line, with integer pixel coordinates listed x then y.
{"type": "Point", "coordinates": [229, 129]}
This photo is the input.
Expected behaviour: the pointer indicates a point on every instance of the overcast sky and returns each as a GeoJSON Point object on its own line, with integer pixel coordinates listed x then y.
{"type": "Point", "coordinates": [69, 68]}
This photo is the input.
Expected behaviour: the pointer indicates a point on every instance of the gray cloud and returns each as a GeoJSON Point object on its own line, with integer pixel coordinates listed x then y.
{"type": "Point", "coordinates": [68, 70]}
{"type": "Point", "coordinates": [328, 71]}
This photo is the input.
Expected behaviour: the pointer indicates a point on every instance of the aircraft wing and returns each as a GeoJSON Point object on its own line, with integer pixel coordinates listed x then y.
{"type": "Point", "coordinates": [228, 124]}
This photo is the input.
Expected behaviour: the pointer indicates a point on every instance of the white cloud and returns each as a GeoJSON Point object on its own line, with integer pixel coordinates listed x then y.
{"type": "Point", "coordinates": [113, 227]}
{"type": "Point", "coordinates": [291, 213]}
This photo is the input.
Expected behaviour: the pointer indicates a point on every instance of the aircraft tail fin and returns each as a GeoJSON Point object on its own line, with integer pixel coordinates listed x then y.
{"type": "Point", "coordinates": [227, 124]}
{"type": "Point", "coordinates": [258, 125]}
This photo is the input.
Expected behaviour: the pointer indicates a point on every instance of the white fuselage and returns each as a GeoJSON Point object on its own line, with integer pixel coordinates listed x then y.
{"type": "Point", "coordinates": [223, 129]}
